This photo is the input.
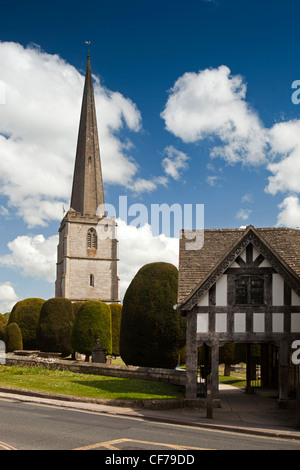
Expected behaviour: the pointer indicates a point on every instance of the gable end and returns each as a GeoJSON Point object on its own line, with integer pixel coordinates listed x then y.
{"type": "Point", "coordinates": [266, 252]}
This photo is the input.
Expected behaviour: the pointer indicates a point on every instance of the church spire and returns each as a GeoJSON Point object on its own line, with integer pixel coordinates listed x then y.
{"type": "Point", "coordinates": [87, 191]}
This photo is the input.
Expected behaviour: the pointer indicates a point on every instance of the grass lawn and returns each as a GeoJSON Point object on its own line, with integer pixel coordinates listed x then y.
{"type": "Point", "coordinates": [237, 377]}
{"type": "Point", "coordinates": [85, 385]}
{"type": "Point", "coordinates": [235, 381]}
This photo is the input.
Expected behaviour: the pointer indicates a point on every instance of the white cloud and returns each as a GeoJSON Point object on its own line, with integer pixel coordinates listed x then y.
{"type": "Point", "coordinates": [243, 214]}
{"type": "Point", "coordinates": [289, 214]}
{"type": "Point", "coordinates": [248, 198]}
{"type": "Point", "coordinates": [33, 256]}
{"type": "Point", "coordinates": [284, 166]}
{"type": "Point", "coordinates": [4, 211]}
{"type": "Point", "coordinates": [140, 185]}
{"type": "Point", "coordinates": [212, 180]}
{"type": "Point", "coordinates": [38, 131]}
{"type": "Point", "coordinates": [212, 103]}
{"type": "Point", "coordinates": [138, 246]}
{"type": "Point", "coordinates": [8, 297]}
{"type": "Point", "coordinates": [174, 162]}
{"type": "Point", "coordinates": [284, 141]}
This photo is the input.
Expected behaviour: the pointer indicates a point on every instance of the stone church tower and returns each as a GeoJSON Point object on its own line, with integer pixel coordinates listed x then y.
{"type": "Point", "coordinates": [87, 253]}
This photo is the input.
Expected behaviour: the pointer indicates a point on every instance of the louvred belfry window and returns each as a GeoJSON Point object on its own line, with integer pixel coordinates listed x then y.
{"type": "Point", "coordinates": [92, 239]}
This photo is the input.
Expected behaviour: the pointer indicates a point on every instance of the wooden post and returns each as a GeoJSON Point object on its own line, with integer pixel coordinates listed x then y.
{"type": "Point", "coordinates": [191, 357]}
{"type": "Point", "coordinates": [215, 368]}
{"type": "Point", "coordinates": [209, 397]}
{"type": "Point", "coordinates": [283, 372]}
{"type": "Point", "coordinates": [298, 406]}
{"type": "Point", "coordinates": [264, 361]}
{"type": "Point", "coordinates": [248, 369]}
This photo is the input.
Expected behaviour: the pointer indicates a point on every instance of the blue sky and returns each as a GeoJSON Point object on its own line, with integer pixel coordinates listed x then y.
{"type": "Point", "coordinates": [194, 107]}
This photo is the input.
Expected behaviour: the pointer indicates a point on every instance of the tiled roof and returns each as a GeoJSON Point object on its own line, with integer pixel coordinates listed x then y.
{"type": "Point", "coordinates": [196, 265]}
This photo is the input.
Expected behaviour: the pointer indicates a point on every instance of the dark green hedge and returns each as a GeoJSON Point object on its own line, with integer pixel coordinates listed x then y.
{"type": "Point", "coordinates": [116, 316]}
{"type": "Point", "coordinates": [3, 320]}
{"type": "Point", "coordinates": [26, 314]}
{"type": "Point", "coordinates": [13, 337]}
{"type": "Point", "coordinates": [92, 321]}
{"type": "Point", "coordinates": [152, 332]}
{"type": "Point", "coordinates": [55, 326]}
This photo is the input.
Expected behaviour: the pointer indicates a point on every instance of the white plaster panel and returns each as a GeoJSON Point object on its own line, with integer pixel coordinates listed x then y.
{"type": "Point", "coordinates": [258, 322]}
{"type": "Point", "coordinates": [202, 322]}
{"type": "Point", "coordinates": [277, 289]}
{"type": "Point", "coordinates": [221, 322]}
{"type": "Point", "coordinates": [265, 264]}
{"type": "Point", "coordinates": [234, 265]}
{"type": "Point", "coordinates": [277, 322]}
{"type": "Point", "coordinates": [256, 253]}
{"type": "Point", "coordinates": [204, 301]}
{"type": "Point", "coordinates": [221, 291]}
{"type": "Point", "coordinates": [239, 322]}
{"type": "Point", "coordinates": [295, 298]}
{"type": "Point", "coordinates": [243, 255]}
{"type": "Point", "coordinates": [295, 322]}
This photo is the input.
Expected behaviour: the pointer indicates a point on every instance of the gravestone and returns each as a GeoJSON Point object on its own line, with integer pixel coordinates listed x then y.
{"type": "Point", "coordinates": [98, 353]}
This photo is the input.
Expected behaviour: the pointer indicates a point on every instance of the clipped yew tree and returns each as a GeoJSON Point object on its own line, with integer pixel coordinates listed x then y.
{"type": "Point", "coordinates": [116, 316]}
{"type": "Point", "coordinates": [152, 332]}
{"type": "Point", "coordinates": [13, 338]}
{"type": "Point", "coordinates": [92, 321]}
{"type": "Point", "coordinates": [2, 332]}
{"type": "Point", "coordinates": [3, 320]}
{"type": "Point", "coordinates": [55, 326]}
{"type": "Point", "coordinates": [76, 306]}
{"type": "Point", "coordinates": [26, 314]}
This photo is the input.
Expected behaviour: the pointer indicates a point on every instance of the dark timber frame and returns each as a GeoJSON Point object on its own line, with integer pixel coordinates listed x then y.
{"type": "Point", "coordinates": [249, 267]}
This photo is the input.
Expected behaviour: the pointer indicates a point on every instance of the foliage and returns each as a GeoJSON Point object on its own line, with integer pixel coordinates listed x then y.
{"type": "Point", "coordinates": [26, 314]}
{"type": "Point", "coordinates": [182, 356]}
{"type": "Point", "coordinates": [13, 337]}
{"type": "Point", "coordinates": [227, 357]}
{"type": "Point", "coordinates": [234, 353]}
{"type": "Point", "coordinates": [92, 321]}
{"type": "Point", "coordinates": [152, 332]}
{"type": "Point", "coordinates": [76, 306]}
{"type": "Point", "coordinates": [116, 316]}
{"type": "Point", "coordinates": [2, 332]}
{"type": "Point", "coordinates": [55, 326]}
{"type": "Point", "coordinates": [241, 353]}
{"type": "Point", "coordinates": [3, 320]}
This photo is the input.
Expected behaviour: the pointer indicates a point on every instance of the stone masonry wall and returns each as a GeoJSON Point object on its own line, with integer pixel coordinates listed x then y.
{"type": "Point", "coordinates": [172, 376]}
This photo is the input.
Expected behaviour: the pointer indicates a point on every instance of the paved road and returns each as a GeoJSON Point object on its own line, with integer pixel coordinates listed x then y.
{"type": "Point", "coordinates": [28, 426]}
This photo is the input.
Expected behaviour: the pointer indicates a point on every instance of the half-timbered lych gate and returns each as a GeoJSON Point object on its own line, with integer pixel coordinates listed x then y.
{"type": "Point", "coordinates": [242, 286]}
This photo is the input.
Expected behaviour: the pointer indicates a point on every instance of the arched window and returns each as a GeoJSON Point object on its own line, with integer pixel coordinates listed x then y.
{"type": "Point", "coordinates": [91, 239]}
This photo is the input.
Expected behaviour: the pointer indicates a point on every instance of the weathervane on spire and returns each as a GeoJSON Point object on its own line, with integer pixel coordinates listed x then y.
{"type": "Point", "coordinates": [89, 49]}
